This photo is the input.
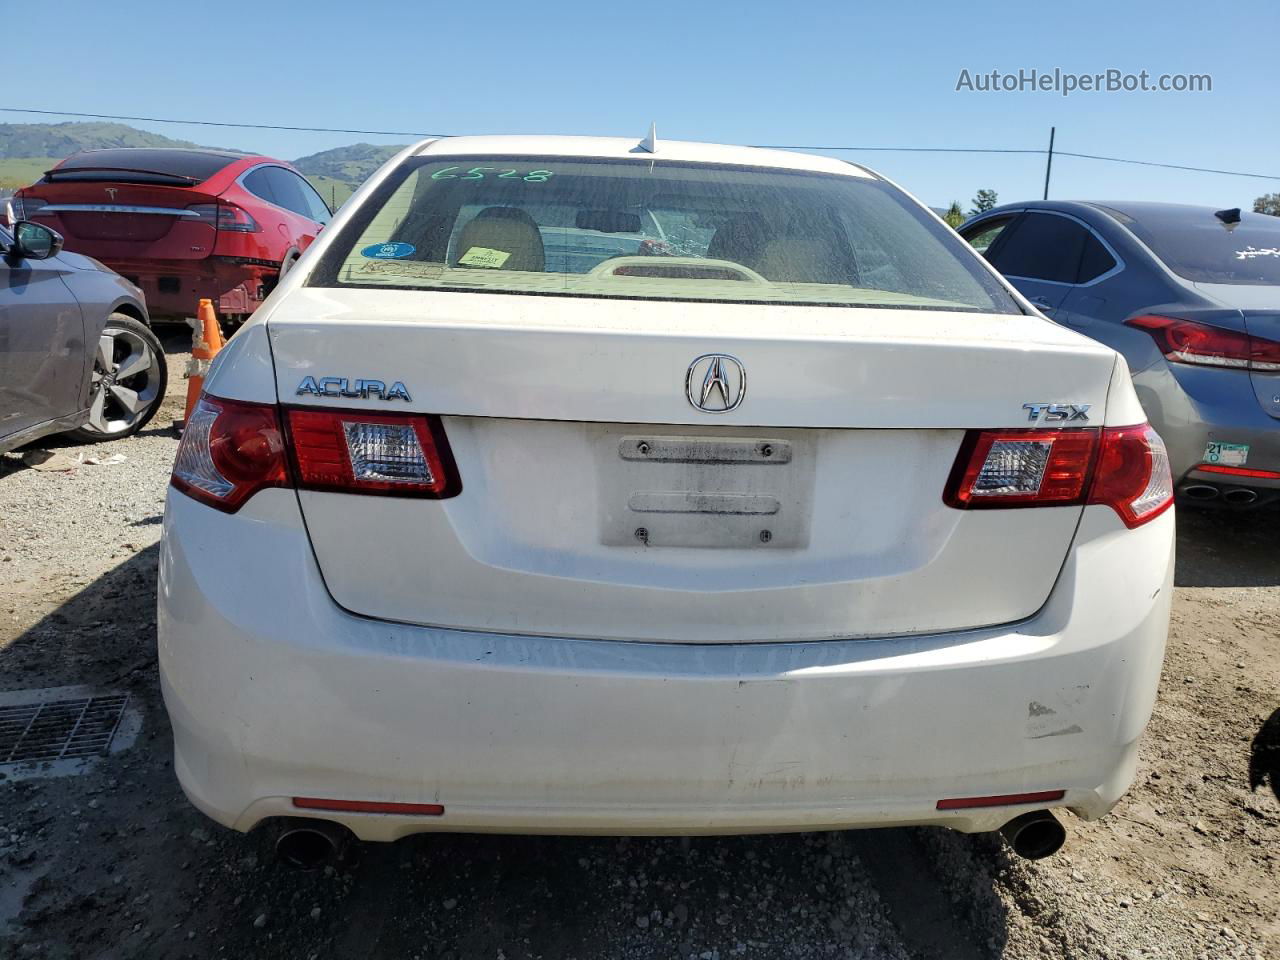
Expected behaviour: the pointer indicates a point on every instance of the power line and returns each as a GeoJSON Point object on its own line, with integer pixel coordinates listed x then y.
{"type": "Point", "coordinates": [216, 123]}
{"type": "Point", "coordinates": [811, 147]}
{"type": "Point", "coordinates": [1170, 166]}
{"type": "Point", "coordinates": [766, 146]}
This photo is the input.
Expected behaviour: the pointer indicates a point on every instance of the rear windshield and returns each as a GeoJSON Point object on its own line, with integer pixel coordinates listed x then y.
{"type": "Point", "coordinates": [655, 229]}
{"type": "Point", "coordinates": [1197, 246]}
{"type": "Point", "coordinates": [142, 165]}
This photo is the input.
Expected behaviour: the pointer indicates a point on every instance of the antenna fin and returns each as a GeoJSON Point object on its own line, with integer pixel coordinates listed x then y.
{"type": "Point", "coordinates": [650, 143]}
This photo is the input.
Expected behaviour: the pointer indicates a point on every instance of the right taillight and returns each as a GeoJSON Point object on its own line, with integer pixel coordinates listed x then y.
{"type": "Point", "coordinates": [1186, 341]}
{"type": "Point", "coordinates": [1125, 468]}
{"type": "Point", "coordinates": [223, 217]}
{"type": "Point", "coordinates": [1133, 476]}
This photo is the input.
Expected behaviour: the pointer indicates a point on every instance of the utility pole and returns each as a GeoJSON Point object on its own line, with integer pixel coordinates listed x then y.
{"type": "Point", "coordinates": [1048, 166]}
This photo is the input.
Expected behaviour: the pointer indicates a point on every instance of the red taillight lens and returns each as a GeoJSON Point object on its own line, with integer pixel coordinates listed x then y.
{"type": "Point", "coordinates": [369, 806]}
{"type": "Point", "coordinates": [1133, 476]}
{"type": "Point", "coordinates": [224, 217]}
{"type": "Point", "coordinates": [229, 451]}
{"type": "Point", "coordinates": [1002, 800]}
{"type": "Point", "coordinates": [1125, 468]}
{"type": "Point", "coordinates": [1185, 341]}
{"type": "Point", "coordinates": [404, 455]}
{"type": "Point", "coordinates": [1014, 468]}
{"type": "Point", "coordinates": [1239, 471]}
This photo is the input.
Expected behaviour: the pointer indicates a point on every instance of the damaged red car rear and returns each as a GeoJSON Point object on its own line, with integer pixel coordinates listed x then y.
{"type": "Point", "coordinates": [181, 224]}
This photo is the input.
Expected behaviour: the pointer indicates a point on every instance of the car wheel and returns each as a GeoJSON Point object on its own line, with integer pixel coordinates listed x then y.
{"type": "Point", "coordinates": [129, 378]}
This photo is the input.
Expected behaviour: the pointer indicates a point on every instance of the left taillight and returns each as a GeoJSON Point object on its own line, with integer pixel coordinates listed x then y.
{"type": "Point", "coordinates": [355, 451]}
{"type": "Point", "coordinates": [229, 451]}
{"type": "Point", "coordinates": [1125, 468]}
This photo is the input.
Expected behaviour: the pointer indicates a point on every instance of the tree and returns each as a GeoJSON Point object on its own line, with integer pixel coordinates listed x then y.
{"type": "Point", "coordinates": [984, 201]}
{"type": "Point", "coordinates": [954, 215]}
{"type": "Point", "coordinates": [1268, 203]}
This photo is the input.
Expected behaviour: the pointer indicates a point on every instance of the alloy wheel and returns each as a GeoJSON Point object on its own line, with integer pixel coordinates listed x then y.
{"type": "Point", "coordinates": [126, 382]}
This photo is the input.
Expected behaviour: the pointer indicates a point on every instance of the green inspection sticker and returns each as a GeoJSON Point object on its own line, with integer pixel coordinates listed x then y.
{"type": "Point", "coordinates": [1227, 454]}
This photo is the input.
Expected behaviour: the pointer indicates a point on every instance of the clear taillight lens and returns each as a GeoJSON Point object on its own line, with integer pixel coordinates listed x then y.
{"type": "Point", "coordinates": [1125, 468]}
{"type": "Point", "coordinates": [397, 454]}
{"type": "Point", "coordinates": [1009, 468]}
{"type": "Point", "coordinates": [229, 451]}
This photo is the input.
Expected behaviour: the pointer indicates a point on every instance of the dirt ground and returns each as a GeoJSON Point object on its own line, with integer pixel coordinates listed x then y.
{"type": "Point", "coordinates": [112, 861]}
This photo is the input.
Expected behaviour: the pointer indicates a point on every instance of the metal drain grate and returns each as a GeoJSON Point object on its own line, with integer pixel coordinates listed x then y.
{"type": "Point", "coordinates": [59, 729]}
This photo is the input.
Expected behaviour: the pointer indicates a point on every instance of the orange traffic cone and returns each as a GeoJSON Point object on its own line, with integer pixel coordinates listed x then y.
{"type": "Point", "coordinates": [206, 341]}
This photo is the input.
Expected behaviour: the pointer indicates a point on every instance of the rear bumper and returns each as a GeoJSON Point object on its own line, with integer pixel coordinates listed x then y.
{"type": "Point", "coordinates": [1200, 406]}
{"type": "Point", "coordinates": [276, 692]}
{"type": "Point", "coordinates": [174, 288]}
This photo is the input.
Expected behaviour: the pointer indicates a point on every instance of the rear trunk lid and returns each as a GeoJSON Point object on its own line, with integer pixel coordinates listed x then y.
{"type": "Point", "coordinates": [598, 502]}
{"type": "Point", "coordinates": [1260, 306]}
{"type": "Point", "coordinates": [111, 220]}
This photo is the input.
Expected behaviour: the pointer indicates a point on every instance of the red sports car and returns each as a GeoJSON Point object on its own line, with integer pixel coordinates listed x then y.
{"type": "Point", "coordinates": [181, 224]}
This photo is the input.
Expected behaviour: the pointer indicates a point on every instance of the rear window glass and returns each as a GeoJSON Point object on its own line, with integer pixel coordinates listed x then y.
{"type": "Point", "coordinates": [190, 166]}
{"type": "Point", "coordinates": [1197, 246]}
{"type": "Point", "coordinates": [654, 229]}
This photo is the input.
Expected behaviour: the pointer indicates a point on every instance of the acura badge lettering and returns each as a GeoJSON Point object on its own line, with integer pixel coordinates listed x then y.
{"type": "Point", "coordinates": [352, 389]}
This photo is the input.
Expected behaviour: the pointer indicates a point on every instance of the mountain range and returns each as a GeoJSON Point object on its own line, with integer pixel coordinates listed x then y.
{"type": "Point", "coordinates": [27, 150]}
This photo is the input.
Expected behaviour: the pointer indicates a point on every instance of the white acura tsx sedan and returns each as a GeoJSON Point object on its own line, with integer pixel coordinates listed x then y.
{"type": "Point", "coordinates": [575, 485]}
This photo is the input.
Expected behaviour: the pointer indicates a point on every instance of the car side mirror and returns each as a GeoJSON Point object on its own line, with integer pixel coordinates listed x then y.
{"type": "Point", "coordinates": [34, 241]}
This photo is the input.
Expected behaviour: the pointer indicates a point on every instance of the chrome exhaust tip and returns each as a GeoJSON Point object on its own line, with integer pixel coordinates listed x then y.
{"type": "Point", "coordinates": [1241, 497]}
{"type": "Point", "coordinates": [1199, 491]}
{"type": "Point", "coordinates": [307, 844]}
{"type": "Point", "coordinates": [1034, 835]}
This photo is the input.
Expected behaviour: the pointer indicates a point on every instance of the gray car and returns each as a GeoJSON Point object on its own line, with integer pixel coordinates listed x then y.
{"type": "Point", "coordinates": [76, 352]}
{"type": "Point", "coordinates": [1191, 297]}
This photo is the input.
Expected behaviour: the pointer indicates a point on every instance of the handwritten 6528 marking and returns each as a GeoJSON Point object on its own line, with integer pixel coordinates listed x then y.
{"type": "Point", "coordinates": [479, 173]}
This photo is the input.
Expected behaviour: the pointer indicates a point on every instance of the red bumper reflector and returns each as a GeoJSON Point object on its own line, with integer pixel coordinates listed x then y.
{"type": "Point", "coordinates": [1007, 800]}
{"type": "Point", "coordinates": [1239, 471]}
{"type": "Point", "coordinates": [369, 806]}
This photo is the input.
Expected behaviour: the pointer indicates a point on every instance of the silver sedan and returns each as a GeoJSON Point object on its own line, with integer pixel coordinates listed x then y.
{"type": "Point", "coordinates": [76, 352]}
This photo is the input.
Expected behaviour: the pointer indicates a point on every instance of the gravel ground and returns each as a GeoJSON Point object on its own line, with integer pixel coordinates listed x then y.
{"type": "Point", "coordinates": [113, 862]}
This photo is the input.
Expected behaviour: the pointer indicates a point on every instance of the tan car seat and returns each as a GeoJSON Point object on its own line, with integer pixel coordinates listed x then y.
{"type": "Point", "coordinates": [509, 230]}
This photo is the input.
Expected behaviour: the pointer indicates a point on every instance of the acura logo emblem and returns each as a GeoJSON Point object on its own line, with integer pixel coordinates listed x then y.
{"type": "Point", "coordinates": [716, 383]}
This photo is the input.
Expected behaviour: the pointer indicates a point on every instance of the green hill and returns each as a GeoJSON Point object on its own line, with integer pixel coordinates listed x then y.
{"type": "Point", "coordinates": [352, 165]}
{"type": "Point", "coordinates": [63, 139]}
{"type": "Point", "coordinates": [27, 150]}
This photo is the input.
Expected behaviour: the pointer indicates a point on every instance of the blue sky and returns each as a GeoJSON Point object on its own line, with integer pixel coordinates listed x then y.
{"type": "Point", "coordinates": [745, 72]}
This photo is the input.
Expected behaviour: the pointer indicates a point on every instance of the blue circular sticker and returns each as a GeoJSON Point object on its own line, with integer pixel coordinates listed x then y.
{"type": "Point", "coordinates": [388, 251]}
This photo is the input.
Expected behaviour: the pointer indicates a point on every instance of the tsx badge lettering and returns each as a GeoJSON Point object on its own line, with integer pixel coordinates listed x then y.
{"type": "Point", "coordinates": [352, 389]}
{"type": "Point", "coordinates": [1056, 412]}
